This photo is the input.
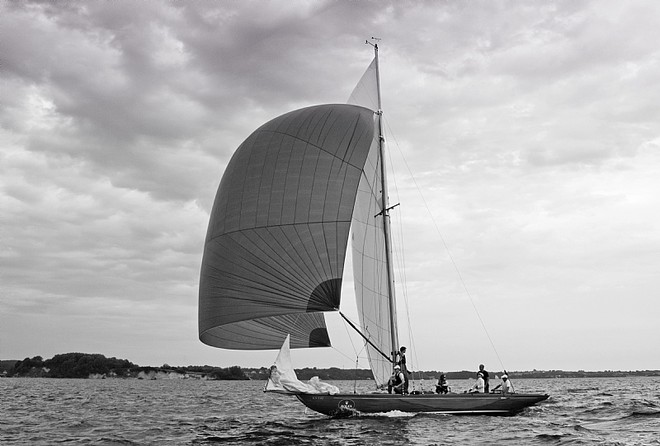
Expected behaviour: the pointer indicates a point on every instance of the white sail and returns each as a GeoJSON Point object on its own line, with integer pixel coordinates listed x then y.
{"type": "Point", "coordinates": [283, 378]}
{"type": "Point", "coordinates": [370, 271]}
{"type": "Point", "coordinates": [365, 93]}
{"type": "Point", "coordinates": [368, 245]}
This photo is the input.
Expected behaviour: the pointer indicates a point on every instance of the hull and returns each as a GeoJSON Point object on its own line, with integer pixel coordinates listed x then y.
{"type": "Point", "coordinates": [458, 403]}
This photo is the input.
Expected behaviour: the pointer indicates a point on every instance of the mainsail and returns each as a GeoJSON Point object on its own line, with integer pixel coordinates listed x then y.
{"type": "Point", "coordinates": [368, 246]}
{"type": "Point", "coordinates": [277, 238]}
{"type": "Point", "coordinates": [365, 93]}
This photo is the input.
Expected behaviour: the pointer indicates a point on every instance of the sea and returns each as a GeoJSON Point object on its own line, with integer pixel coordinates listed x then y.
{"type": "Point", "coordinates": [580, 411]}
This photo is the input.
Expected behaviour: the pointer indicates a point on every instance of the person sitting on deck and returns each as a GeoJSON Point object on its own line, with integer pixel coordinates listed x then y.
{"type": "Point", "coordinates": [397, 381]}
{"type": "Point", "coordinates": [442, 387]}
{"type": "Point", "coordinates": [506, 387]}
{"type": "Point", "coordinates": [479, 385]}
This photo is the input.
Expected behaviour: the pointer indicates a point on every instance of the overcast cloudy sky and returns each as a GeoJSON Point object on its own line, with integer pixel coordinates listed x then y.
{"type": "Point", "coordinates": [531, 129]}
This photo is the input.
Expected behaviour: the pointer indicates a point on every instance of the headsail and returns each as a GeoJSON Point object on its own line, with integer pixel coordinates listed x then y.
{"type": "Point", "coordinates": [283, 378]}
{"type": "Point", "coordinates": [277, 237]}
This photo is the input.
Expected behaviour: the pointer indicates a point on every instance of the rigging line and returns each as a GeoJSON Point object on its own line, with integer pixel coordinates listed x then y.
{"type": "Point", "coordinates": [400, 251]}
{"type": "Point", "coordinates": [350, 358]}
{"type": "Point", "coordinates": [400, 257]}
{"type": "Point", "coordinates": [406, 295]}
{"type": "Point", "coordinates": [355, 351]}
{"type": "Point", "coordinates": [386, 356]}
{"type": "Point", "coordinates": [350, 339]}
{"type": "Point", "coordinates": [444, 243]}
{"type": "Point", "coordinates": [400, 254]}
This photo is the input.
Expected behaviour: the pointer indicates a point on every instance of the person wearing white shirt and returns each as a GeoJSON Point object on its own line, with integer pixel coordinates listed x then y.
{"type": "Point", "coordinates": [507, 387]}
{"type": "Point", "coordinates": [479, 385]}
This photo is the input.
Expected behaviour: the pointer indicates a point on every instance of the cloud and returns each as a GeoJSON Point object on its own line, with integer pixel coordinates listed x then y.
{"type": "Point", "coordinates": [531, 131]}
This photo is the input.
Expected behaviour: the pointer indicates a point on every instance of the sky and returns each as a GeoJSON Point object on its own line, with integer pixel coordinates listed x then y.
{"type": "Point", "coordinates": [524, 137]}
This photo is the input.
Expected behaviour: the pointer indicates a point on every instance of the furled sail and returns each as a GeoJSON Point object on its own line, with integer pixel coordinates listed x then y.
{"type": "Point", "coordinates": [277, 238]}
{"type": "Point", "coordinates": [368, 247]}
{"type": "Point", "coordinates": [283, 378]}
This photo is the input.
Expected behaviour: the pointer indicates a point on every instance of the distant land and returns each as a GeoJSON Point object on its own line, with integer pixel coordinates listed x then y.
{"type": "Point", "coordinates": [90, 366]}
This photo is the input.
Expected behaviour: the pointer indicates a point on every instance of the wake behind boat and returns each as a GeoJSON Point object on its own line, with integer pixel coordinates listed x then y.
{"type": "Point", "coordinates": [277, 240]}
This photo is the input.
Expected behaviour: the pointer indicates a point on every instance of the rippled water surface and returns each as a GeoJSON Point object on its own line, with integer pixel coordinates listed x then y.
{"type": "Point", "coordinates": [608, 411]}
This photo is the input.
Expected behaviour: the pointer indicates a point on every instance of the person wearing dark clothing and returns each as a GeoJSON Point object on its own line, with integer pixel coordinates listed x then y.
{"type": "Point", "coordinates": [397, 381]}
{"type": "Point", "coordinates": [442, 386]}
{"type": "Point", "coordinates": [484, 374]}
{"type": "Point", "coordinates": [404, 368]}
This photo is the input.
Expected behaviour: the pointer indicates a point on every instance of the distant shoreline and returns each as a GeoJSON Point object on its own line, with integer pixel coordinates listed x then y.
{"type": "Point", "coordinates": [170, 375]}
{"type": "Point", "coordinates": [97, 366]}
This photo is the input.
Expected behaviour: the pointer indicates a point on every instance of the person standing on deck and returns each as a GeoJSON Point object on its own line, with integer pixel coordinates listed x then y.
{"type": "Point", "coordinates": [484, 374]}
{"type": "Point", "coordinates": [404, 368]}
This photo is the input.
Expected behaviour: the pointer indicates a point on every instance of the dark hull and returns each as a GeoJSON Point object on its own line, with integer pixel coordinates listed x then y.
{"type": "Point", "coordinates": [453, 403]}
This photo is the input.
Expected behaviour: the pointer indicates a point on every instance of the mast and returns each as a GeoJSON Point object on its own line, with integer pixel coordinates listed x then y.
{"type": "Point", "coordinates": [386, 214]}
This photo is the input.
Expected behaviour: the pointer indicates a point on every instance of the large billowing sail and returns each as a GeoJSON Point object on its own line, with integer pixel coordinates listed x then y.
{"type": "Point", "coordinates": [368, 245]}
{"type": "Point", "coordinates": [277, 238]}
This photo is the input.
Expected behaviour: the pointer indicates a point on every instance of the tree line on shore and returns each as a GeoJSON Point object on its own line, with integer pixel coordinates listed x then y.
{"type": "Point", "coordinates": [85, 365]}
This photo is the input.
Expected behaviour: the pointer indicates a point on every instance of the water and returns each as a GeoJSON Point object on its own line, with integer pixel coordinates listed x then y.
{"type": "Point", "coordinates": [606, 411]}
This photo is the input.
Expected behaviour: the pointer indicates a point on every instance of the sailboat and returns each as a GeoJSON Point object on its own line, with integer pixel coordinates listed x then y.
{"type": "Point", "coordinates": [292, 195]}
